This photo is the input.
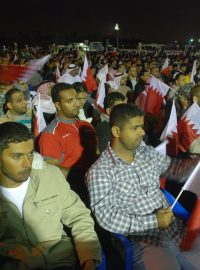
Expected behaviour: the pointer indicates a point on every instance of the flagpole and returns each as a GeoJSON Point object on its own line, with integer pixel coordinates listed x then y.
{"type": "Point", "coordinates": [167, 85]}
{"type": "Point", "coordinates": [179, 195]}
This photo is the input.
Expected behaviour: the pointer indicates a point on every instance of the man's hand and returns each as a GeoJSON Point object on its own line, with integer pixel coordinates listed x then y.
{"type": "Point", "coordinates": [90, 265]}
{"type": "Point", "coordinates": [164, 218]}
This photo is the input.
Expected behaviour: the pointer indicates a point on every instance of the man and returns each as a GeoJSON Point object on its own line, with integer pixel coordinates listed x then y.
{"type": "Point", "coordinates": [179, 84]}
{"type": "Point", "coordinates": [86, 109]}
{"type": "Point", "coordinates": [17, 111]}
{"type": "Point", "coordinates": [71, 75]}
{"type": "Point", "coordinates": [68, 142]}
{"type": "Point", "coordinates": [195, 97]}
{"type": "Point", "coordinates": [132, 77]}
{"type": "Point", "coordinates": [103, 127]}
{"type": "Point", "coordinates": [35, 205]}
{"type": "Point", "coordinates": [142, 82]}
{"type": "Point", "coordinates": [126, 198]}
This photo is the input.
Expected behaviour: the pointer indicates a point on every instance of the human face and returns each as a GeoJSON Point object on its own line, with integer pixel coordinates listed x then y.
{"type": "Point", "coordinates": [18, 105]}
{"type": "Point", "coordinates": [68, 107]}
{"type": "Point", "coordinates": [133, 72]}
{"type": "Point", "coordinates": [155, 72]}
{"type": "Point", "coordinates": [82, 97]}
{"type": "Point", "coordinates": [181, 81]}
{"type": "Point", "coordinates": [145, 76]}
{"type": "Point", "coordinates": [15, 163]}
{"type": "Point", "coordinates": [74, 72]}
{"type": "Point", "coordinates": [131, 134]}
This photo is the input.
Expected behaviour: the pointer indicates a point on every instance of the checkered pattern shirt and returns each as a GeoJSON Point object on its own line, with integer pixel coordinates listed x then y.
{"type": "Point", "coordinates": [125, 197]}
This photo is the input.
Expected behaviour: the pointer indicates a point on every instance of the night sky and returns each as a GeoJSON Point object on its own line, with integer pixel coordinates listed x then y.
{"type": "Point", "coordinates": [157, 20]}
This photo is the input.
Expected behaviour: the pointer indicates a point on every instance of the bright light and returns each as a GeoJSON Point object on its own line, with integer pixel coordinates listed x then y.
{"type": "Point", "coordinates": [191, 40]}
{"type": "Point", "coordinates": [117, 27]}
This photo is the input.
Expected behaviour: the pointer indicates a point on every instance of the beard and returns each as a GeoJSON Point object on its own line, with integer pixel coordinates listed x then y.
{"type": "Point", "coordinates": [18, 178]}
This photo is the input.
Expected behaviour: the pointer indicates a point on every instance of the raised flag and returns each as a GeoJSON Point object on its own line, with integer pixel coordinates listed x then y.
{"type": "Point", "coordinates": [58, 75]}
{"type": "Point", "coordinates": [39, 121]}
{"type": "Point", "coordinates": [161, 148]}
{"type": "Point", "coordinates": [165, 67]}
{"type": "Point", "coordinates": [156, 92]}
{"type": "Point", "coordinates": [101, 93]}
{"type": "Point", "coordinates": [189, 129]}
{"type": "Point", "coordinates": [11, 72]}
{"type": "Point", "coordinates": [87, 77]}
{"type": "Point", "coordinates": [102, 73]}
{"type": "Point", "coordinates": [170, 133]}
{"type": "Point", "coordinates": [194, 71]}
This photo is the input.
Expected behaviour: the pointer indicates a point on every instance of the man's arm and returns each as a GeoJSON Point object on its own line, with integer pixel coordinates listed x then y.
{"type": "Point", "coordinates": [77, 217]}
{"type": "Point", "coordinates": [57, 162]}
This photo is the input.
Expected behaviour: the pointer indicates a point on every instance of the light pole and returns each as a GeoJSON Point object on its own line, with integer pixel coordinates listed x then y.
{"type": "Point", "coordinates": [117, 29]}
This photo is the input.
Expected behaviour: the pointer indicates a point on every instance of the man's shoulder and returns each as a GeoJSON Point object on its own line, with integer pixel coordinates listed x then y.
{"type": "Point", "coordinates": [51, 128]}
{"type": "Point", "coordinates": [103, 163]}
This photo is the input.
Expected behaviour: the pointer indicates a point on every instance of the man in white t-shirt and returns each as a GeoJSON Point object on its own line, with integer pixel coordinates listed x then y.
{"type": "Point", "coordinates": [35, 203]}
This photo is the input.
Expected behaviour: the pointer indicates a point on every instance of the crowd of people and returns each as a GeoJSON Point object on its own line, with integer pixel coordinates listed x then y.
{"type": "Point", "coordinates": [89, 165]}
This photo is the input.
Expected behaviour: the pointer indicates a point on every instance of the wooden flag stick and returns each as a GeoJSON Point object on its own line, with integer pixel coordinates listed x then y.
{"type": "Point", "coordinates": [179, 195]}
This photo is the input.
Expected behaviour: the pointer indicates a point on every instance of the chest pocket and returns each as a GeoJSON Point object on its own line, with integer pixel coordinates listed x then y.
{"type": "Point", "coordinates": [47, 206]}
{"type": "Point", "coordinates": [46, 218]}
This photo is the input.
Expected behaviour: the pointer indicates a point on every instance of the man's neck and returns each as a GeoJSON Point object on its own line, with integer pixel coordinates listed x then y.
{"type": "Point", "coordinates": [15, 113]}
{"type": "Point", "coordinates": [124, 154]}
{"type": "Point", "coordinates": [64, 117]}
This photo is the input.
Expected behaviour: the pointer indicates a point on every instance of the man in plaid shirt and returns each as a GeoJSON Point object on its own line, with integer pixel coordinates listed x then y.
{"type": "Point", "coordinates": [125, 194]}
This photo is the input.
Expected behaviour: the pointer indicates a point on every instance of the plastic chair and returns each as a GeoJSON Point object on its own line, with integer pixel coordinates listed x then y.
{"type": "Point", "coordinates": [102, 266]}
{"type": "Point", "coordinates": [178, 209]}
{"type": "Point", "coordinates": [128, 249]}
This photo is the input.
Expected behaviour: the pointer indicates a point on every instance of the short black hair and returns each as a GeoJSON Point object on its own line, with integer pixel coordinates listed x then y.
{"type": "Point", "coordinates": [9, 93]}
{"type": "Point", "coordinates": [111, 98]}
{"type": "Point", "coordinates": [57, 88]}
{"type": "Point", "coordinates": [143, 72]}
{"type": "Point", "coordinates": [122, 113]}
{"type": "Point", "coordinates": [79, 87]}
{"type": "Point", "coordinates": [13, 132]}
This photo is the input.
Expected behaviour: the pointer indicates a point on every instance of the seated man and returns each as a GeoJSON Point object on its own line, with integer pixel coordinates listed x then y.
{"type": "Point", "coordinates": [103, 127]}
{"type": "Point", "coordinates": [68, 142]}
{"type": "Point", "coordinates": [124, 187]}
{"type": "Point", "coordinates": [35, 205]}
{"type": "Point", "coordinates": [17, 111]}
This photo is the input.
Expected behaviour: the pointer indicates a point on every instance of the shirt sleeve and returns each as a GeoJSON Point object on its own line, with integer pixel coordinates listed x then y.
{"type": "Point", "coordinates": [50, 147]}
{"type": "Point", "coordinates": [106, 211]}
{"type": "Point", "coordinates": [77, 217]}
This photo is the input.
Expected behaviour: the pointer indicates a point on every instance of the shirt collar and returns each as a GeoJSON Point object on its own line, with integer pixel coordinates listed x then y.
{"type": "Point", "coordinates": [69, 121]}
{"type": "Point", "coordinates": [115, 159]}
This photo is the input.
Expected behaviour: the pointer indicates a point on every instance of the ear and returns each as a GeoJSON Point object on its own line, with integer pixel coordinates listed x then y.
{"type": "Point", "coordinates": [195, 99]}
{"type": "Point", "coordinates": [108, 110]}
{"type": "Point", "coordinates": [9, 105]}
{"type": "Point", "coordinates": [115, 131]}
{"type": "Point", "coordinates": [57, 105]}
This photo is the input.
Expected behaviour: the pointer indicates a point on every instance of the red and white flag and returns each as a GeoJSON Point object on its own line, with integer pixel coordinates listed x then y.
{"type": "Point", "coordinates": [57, 73]}
{"type": "Point", "coordinates": [10, 72]}
{"type": "Point", "coordinates": [189, 127]}
{"type": "Point", "coordinates": [170, 133]}
{"type": "Point", "coordinates": [194, 71]}
{"type": "Point", "coordinates": [156, 92]}
{"type": "Point", "coordinates": [102, 73]}
{"type": "Point", "coordinates": [87, 77]}
{"type": "Point", "coordinates": [39, 121]}
{"type": "Point", "coordinates": [141, 100]}
{"type": "Point", "coordinates": [101, 93]}
{"type": "Point", "coordinates": [165, 66]}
